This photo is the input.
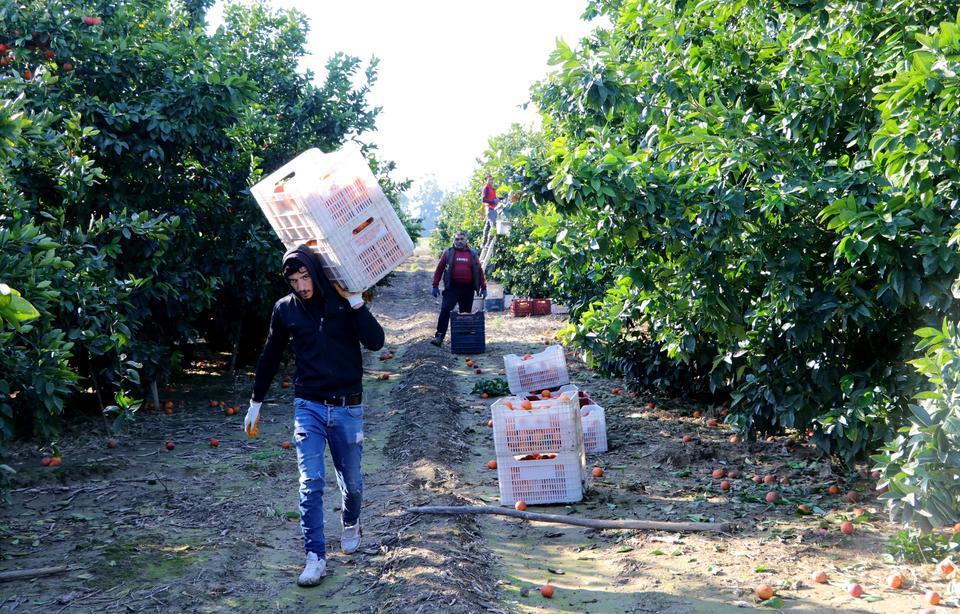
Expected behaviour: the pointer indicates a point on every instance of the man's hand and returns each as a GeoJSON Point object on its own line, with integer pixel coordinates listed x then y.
{"type": "Point", "coordinates": [435, 292]}
{"type": "Point", "coordinates": [354, 298]}
{"type": "Point", "coordinates": [252, 419]}
{"type": "Point", "coordinates": [483, 293]}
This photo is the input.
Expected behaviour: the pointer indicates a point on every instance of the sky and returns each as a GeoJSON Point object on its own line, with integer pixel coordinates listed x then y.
{"type": "Point", "coordinates": [452, 73]}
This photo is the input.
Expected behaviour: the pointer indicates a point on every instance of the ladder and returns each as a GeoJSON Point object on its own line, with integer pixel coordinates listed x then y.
{"type": "Point", "coordinates": [487, 252]}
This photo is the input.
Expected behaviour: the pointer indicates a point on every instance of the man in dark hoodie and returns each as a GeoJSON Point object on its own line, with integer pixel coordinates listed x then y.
{"type": "Point", "coordinates": [462, 275]}
{"type": "Point", "coordinates": [328, 326]}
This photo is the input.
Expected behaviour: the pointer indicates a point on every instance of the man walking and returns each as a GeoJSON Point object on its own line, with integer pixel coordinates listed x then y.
{"type": "Point", "coordinates": [327, 326]}
{"type": "Point", "coordinates": [462, 275]}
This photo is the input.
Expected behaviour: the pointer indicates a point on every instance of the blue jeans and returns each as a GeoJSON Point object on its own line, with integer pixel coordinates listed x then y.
{"type": "Point", "coordinates": [314, 426]}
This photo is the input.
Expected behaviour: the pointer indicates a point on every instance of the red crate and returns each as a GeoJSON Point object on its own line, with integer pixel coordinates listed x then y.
{"type": "Point", "coordinates": [541, 306]}
{"type": "Point", "coordinates": [521, 307]}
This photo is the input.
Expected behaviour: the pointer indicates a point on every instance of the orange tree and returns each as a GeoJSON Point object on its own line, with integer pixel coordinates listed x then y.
{"type": "Point", "coordinates": [722, 172]}
{"type": "Point", "coordinates": [128, 140]}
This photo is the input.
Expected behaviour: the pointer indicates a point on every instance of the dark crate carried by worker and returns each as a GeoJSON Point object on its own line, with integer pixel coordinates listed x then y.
{"type": "Point", "coordinates": [467, 333]}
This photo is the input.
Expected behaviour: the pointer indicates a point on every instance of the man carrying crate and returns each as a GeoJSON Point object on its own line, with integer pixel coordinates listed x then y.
{"type": "Point", "coordinates": [328, 326]}
{"type": "Point", "coordinates": [462, 275]}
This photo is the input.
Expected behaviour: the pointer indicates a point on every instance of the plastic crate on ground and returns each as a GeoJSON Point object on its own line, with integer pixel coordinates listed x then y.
{"type": "Point", "coordinates": [520, 307]}
{"type": "Point", "coordinates": [467, 333]}
{"type": "Point", "coordinates": [594, 429]}
{"type": "Point", "coordinates": [545, 480]}
{"type": "Point", "coordinates": [546, 369]}
{"type": "Point", "coordinates": [541, 306]}
{"type": "Point", "coordinates": [333, 203]}
{"type": "Point", "coordinates": [549, 425]}
{"type": "Point", "coordinates": [493, 304]}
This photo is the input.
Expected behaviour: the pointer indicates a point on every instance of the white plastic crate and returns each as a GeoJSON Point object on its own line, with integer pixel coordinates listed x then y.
{"type": "Point", "coordinates": [550, 425]}
{"type": "Point", "coordinates": [594, 429]}
{"type": "Point", "coordinates": [333, 203]}
{"type": "Point", "coordinates": [546, 369]}
{"type": "Point", "coordinates": [551, 480]}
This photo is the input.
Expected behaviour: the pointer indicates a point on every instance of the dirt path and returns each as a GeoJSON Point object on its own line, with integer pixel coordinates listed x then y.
{"type": "Point", "coordinates": [208, 529]}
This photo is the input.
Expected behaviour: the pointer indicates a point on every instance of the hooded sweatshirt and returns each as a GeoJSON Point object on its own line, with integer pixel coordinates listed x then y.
{"type": "Point", "coordinates": [327, 334]}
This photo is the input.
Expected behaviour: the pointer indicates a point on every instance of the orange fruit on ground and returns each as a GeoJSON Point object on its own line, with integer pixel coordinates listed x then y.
{"type": "Point", "coordinates": [484, 396]}
{"type": "Point", "coordinates": [214, 442]}
{"type": "Point", "coordinates": [520, 505]}
{"type": "Point", "coordinates": [597, 472]}
{"type": "Point", "coordinates": [853, 496]}
{"type": "Point", "coordinates": [491, 464]}
{"type": "Point", "coordinates": [45, 461]}
{"type": "Point", "coordinates": [490, 423]}
{"type": "Point", "coordinates": [285, 445]}
{"type": "Point", "coordinates": [846, 527]}
{"type": "Point", "coordinates": [859, 511]}
{"type": "Point", "coordinates": [772, 496]}
{"type": "Point", "coordinates": [712, 422]}
{"type": "Point", "coordinates": [895, 580]}
{"type": "Point", "coordinates": [55, 461]}
{"type": "Point", "coordinates": [724, 412]}
{"type": "Point", "coordinates": [230, 411]}
{"type": "Point", "coordinates": [547, 591]}
{"type": "Point", "coordinates": [733, 474]}
{"type": "Point", "coordinates": [687, 439]}
{"type": "Point", "coordinates": [819, 577]}
{"type": "Point", "coordinates": [757, 479]}
{"type": "Point", "coordinates": [212, 404]}
{"type": "Point", "coordinates": [168, 405]}
{"type": "Point", "coordinates": [784, 480]}
{"type": "Point", "coordinates": [284, 384]}
{"type": "Point", "coordinates": [168, 411]}
{"type": "Point", "coordinates": [696, 414]}
{"type": "Point", "coordinates": [956, 528]}
{"type": "Point", "coordinates": [651, 406]}
{"type": "Point", "coordinates": [718, 473]}
{"type": "Point", "coordinates": [803, 507]}
{"type": "Point", "coordinates": [932, 597]}
{"type": "Point", "coordinates": [834, 489]}
{"type": "Point", "coordinates": [769, 479]}
{"type": "Point", "coordinates": [170, 445]}
{"type": "Point", "coordinates": [764, 591]}
{"type": "Point", "coordinates": [945, 567]}
{"type": "Point", "coordinates": [734, 439]}
{"type": "Point", "coordinates": [112, 442]}
{"type": "Point", "coordinates": [724, 485]}
{"type": "Point", "coordinates": [855, 590]}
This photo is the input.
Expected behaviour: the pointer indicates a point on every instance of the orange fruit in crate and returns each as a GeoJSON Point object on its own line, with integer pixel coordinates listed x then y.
{"type": "Point", "coordinates": [525, 404]}
{"type": "Point", "coordinates": [545, 394]}
{"type": "Point", "coordinates": [508, 404]}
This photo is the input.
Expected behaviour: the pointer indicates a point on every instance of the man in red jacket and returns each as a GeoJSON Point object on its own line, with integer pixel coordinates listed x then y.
{"type": "Point", "coordinates": [462, 275]}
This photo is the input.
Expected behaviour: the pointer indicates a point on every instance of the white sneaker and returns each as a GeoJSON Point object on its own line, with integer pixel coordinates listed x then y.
{"type": "Point", "coordinates": [350, 538]}
{"type": "Point", "coordinates": [313, 571]}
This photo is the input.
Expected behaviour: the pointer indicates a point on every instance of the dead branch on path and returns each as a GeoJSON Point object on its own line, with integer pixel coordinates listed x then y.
{"type": "Point", "coordinates": [26, 574]}
{"type": "Point", "coordinates": [648, 525]}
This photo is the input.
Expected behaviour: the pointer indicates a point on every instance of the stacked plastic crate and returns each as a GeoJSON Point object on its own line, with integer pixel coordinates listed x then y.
{"type": "Point", "coordinates": [333, 204]}
{"type": "Point", "coordinates": [538, 437]}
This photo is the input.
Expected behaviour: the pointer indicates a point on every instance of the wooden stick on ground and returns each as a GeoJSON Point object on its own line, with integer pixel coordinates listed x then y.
{"type": "Point", "coordinates": [650, 525]}
{"type": "Point", "coordinates": [25, 574]}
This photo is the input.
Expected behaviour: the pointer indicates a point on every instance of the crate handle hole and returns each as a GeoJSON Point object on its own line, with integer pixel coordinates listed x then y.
{"type": "Point", "coordinates": [366, 223]}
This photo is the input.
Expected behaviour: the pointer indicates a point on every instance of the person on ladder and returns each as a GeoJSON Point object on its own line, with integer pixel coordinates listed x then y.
{"type": "Point", "coordinates": [462, 275]}
{"type": "Point", "coordinates": [489, 197]}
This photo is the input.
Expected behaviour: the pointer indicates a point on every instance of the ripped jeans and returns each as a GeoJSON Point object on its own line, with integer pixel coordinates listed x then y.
{"type": "Point", "coordinates": [315, 425]}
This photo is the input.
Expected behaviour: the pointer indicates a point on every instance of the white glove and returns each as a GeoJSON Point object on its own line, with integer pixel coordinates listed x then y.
{"type": "Point", "coordinates": [355, 300]}
{"type": "Point", "coordinates": [252, 419]}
